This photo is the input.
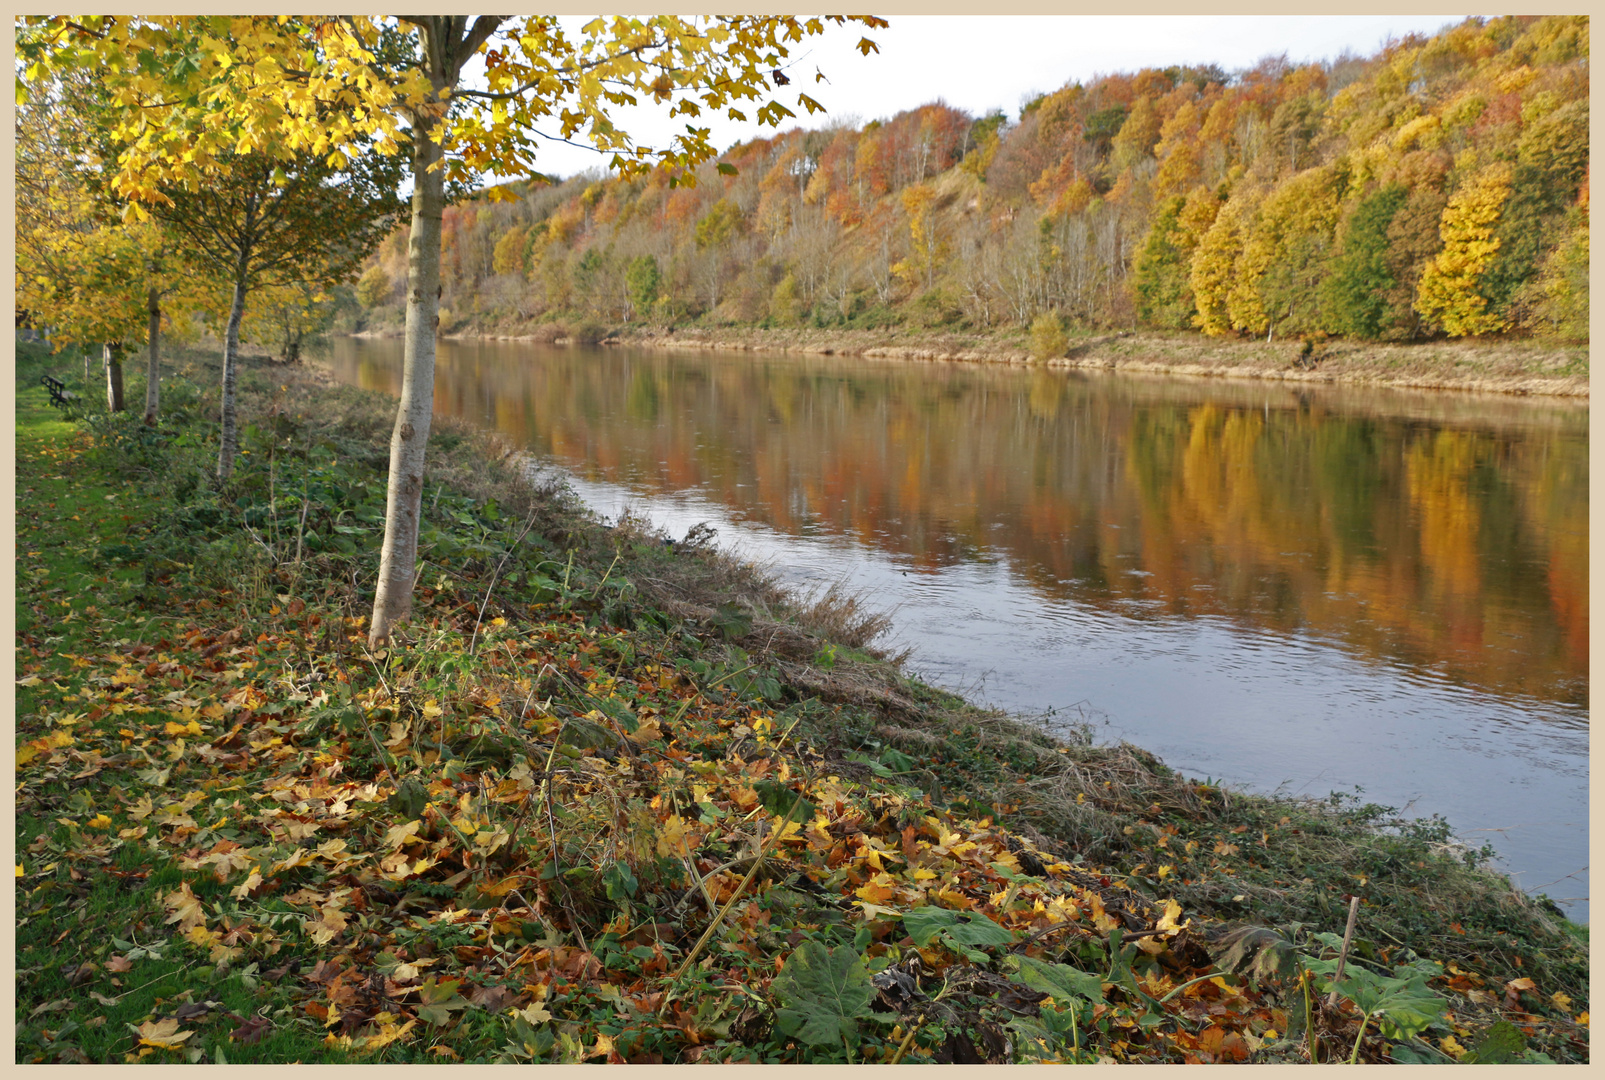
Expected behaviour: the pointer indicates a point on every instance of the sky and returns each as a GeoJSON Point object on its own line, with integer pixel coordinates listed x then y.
{"type": "Point", "coordinates": [980, 63]}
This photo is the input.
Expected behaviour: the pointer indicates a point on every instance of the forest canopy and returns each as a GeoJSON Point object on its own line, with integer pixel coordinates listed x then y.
{"type": "Point", "coordinates": [1436, 188]}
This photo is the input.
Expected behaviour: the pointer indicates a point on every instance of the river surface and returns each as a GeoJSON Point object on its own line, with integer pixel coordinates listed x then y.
{"type": "Point", "coordinates": [1287, 588]}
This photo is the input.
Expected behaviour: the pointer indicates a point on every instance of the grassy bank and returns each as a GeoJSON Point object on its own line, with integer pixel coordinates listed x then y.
{"type": "Point", "coordinates": [1517, 367]}
{"type": "Point", "coordinates": [617, 798]}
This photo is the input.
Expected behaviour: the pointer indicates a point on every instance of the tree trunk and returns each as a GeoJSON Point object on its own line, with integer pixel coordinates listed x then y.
{"type": "Point", "coordinates": [153, 383]}
{"type": "Point", "coordinates": [229, 439]}
{"type": "Point", "coordinates": [113, 357]}
{"type": "Point", "coordinates": [447, 42]}
{"type": "Point", "coordinates": [399, 555]}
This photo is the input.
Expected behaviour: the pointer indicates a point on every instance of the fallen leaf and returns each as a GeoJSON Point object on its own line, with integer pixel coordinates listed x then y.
{"type": "Point", "coordinates": [1513, 990]}
{"type": "Point", "coordinates": [185, 908]}
{"type": "Point", "coordinates": [252, 1030]}
{"type": "Point", "coordinates": [162, 1034]}
{"type": "Point", "coordinates": [493, 998]}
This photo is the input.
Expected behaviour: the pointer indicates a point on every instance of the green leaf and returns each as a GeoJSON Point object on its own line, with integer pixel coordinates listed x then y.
{"type": "Point", "coordinates": [1403, 1004]}
{"type": "Point", "coordinates": [409, 799]}
{"type": "Point", "coordinates": [439, 1002]}
{"type": "Point", "coordinates": [778, 800]}
{"type": "Point", "coordinates": [963, 927]}
{"type": "Point", "coordinates": [1061, 981]}
{"type": "Point", "coordinates": [824, 993]}
{"type": "Point", "coordinates": [732, 620]}
{"type": "Point", "coordinates": [1502, 1044]}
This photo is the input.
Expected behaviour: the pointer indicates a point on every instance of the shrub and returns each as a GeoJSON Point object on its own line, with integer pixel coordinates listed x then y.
{"type": "Point", "coordinates": [1048, 339]}
{"type": "Point", "coordinates": [587, 332]}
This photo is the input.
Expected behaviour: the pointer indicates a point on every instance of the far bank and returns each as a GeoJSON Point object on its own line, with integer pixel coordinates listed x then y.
{"type": "Point", "coordinates": [1521, 368]}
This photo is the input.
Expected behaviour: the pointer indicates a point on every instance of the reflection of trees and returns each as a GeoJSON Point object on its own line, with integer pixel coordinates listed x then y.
{"type": "Point", "coordinates": [1453, 545]}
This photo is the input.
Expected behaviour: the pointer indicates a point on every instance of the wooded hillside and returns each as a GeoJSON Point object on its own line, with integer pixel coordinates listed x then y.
{"type": "Point", "coordinates": [1438, 188]}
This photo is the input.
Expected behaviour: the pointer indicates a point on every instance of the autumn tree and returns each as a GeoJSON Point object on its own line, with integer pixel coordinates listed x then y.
{"type": "Point", "coordinates": [374, 287]}
{"type": "Point", "coordinates": [250, 77]}
{"type": "Point", "coordinates": [268, 222]}
{"type": "Point", "coordinates": [100, 282]}
{"type": "Point", "coordinates": [1450, 290]}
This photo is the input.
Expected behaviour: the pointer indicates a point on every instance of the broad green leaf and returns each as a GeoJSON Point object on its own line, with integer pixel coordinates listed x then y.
{"type": "Point", "coordinates": [824, 993]}
{"type": "Point", "coordinates": [1062, 981]}
{"type": "Point", "coordinates": [1403, 1004]}
{"type": "Point", "coordinates": [964, 927]}
{"type": "Point", "coordinates": [1502, 1044]}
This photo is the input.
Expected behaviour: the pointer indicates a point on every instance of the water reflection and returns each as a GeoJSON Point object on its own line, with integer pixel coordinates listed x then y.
{"type": "Point", "coordinates": [1439, 534]}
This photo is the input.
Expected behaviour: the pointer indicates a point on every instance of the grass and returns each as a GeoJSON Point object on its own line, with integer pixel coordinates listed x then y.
{"type": "Point", "coordinates": [242, 837]}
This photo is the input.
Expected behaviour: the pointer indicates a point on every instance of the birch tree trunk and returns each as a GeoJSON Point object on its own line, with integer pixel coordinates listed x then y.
{"type": "Point", "coordinates": [398, 556]}
{"type": "Point", "coordinates": [448, 41]}
{"type": "Point", "coordinates": [228, 443]}
{"type": "Point", "coordinates": [113, 358]}
{"type": "Point", "coordinates": [153, 385]}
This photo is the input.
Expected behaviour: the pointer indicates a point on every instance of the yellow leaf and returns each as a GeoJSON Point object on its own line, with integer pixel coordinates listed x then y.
{"type": "Point", "coordinates": [200, 935]}
{"type": "Point", "coordinates": [99, 821]}
{"type": "Point", "coordinates": [162, 1034]}
{"type": "Point", "coordinates": [241, 891]}
{"type": "Point", "coordinates": [401, 835]}
{"type": "Point", "coordinates": [185, 908]}
{"type": "Point", "coordinates": [1171, 920]}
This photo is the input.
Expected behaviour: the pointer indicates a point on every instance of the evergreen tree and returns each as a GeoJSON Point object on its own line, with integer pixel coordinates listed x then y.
{"type": "Point", "coordinates": [1164, 297]}
{"type": "Point", "coordinates": [1355, 295]}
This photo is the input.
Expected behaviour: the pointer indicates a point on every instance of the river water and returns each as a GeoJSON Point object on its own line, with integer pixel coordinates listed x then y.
{"type": "Point", "coordinates": [1286, 588]}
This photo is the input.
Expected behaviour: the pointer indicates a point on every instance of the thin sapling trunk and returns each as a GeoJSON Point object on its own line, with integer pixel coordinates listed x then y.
{"type": "Point", "coordinates": [113, 356]}
{"type": "Point", "coordinates": [229, 440]}
{"type": "Point", "coordinates": [153, 383]}
{"type": "Point", "coordinates": [399, 554]}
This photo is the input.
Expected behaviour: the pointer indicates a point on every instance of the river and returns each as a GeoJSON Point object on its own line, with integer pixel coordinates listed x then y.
{"type": "Point", "coordinates": [1286, 588]}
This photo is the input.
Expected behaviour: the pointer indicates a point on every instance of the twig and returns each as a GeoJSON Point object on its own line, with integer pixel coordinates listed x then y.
{"type": "Point", "coordinates": [908, 1040]}
{"type": "Point", "coordinates": [718, 920]}
{"type": "Point", "coordinates": [474, 641]}
{"type": "Point", "coordinates": [1343, 954]}
{"type": "Point", "coordinates": [551, 830]}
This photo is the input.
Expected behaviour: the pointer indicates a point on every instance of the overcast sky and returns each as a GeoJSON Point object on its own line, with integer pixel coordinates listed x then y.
{"type": "Point", "coordinates": [979, 63]}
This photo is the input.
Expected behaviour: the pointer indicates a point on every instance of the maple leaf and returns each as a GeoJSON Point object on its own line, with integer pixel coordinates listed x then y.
{"type": "Point", "coordinates": [162, 1034]}
{"type": "Point", "coordinates": [243, 889]}
{"type": "Point", "coordinates": [440, 1000]}
{"type": "Point", "coordinates": [185, 907]}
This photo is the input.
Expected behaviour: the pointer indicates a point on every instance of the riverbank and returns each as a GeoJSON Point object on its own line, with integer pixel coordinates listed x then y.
{"type": "Point", "coordinates": [505, 839]}
{"type": "Point", "coordinates": [1521, 368]}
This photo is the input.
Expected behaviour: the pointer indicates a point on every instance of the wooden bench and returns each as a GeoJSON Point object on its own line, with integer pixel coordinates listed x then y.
{"type": "Point", "coordinates": [60, 396]}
